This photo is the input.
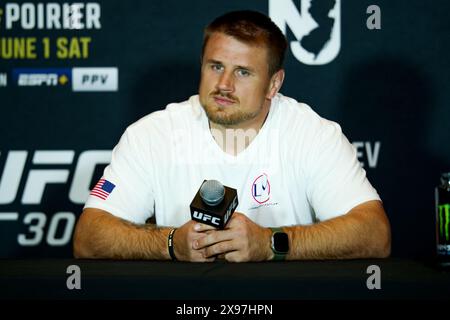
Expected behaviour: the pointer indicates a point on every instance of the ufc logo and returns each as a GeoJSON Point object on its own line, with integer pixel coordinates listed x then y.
{"type": "Point", "coordinates": [230, 209]}
{"type": "Point", "coordinates": [36, 179]}
{"type": "Point", "coordinates": [206, 217]}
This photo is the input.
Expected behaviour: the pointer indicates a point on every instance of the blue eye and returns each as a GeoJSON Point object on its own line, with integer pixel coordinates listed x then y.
{"type": "Point", "coordinates": [243, 73]}
{"type": "Point", "coordinates": [217, 67]}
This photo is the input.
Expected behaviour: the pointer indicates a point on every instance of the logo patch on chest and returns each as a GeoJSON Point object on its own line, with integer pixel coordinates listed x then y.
{"type": "Point", "coordinates": [261, 189]}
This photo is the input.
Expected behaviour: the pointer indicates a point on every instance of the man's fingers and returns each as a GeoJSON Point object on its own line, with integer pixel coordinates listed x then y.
{"type": "Point", "coordinates": [211, 238]}
{"type": "Point", "coordinates": [221, 256]}
{"type": "Point", "coordinates": [200, 227]}
{"type": "Point", "coordinates": [234, 256]}
{"type": "Point", "coordinates": [219, 248]}
{"type": "Point", "coordinates": [199, 256]}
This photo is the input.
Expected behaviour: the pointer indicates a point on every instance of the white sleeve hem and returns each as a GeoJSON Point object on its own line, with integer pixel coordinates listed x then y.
{"type": "Point", "coordinates": [351, 205]}
{"type": "Point", "coordinates": [114, 211]}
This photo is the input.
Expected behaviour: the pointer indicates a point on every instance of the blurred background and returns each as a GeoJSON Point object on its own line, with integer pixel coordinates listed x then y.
{"type": "Point", "coordinates": [74, 76]}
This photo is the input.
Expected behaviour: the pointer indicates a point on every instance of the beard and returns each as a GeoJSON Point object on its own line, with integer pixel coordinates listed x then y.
{"type": "Point", "coordinates": [226, 116]}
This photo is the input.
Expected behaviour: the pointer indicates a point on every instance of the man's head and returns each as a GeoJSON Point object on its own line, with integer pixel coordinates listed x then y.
{"type": "Point", "coordinates": [242, 59]}
{"type": "Point", "coordinates": [252, 28]}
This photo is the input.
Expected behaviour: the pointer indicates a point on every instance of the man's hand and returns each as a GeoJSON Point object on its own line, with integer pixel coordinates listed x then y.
{"type": "Point", "coordinates": [241, 241]}
{"type": "Point", "coordinates": [183, 239]}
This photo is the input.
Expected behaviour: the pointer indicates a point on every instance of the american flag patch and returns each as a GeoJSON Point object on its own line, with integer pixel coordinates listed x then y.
{"type": "Point", "coordinates": [102, 189]}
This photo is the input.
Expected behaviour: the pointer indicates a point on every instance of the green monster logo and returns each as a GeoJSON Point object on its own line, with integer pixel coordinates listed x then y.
{"type": "Point", "coordinates": [444, 221]}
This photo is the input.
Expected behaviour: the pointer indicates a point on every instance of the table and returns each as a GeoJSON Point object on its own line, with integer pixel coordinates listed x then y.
{"type": "Point", "coordinates": [160, 280]}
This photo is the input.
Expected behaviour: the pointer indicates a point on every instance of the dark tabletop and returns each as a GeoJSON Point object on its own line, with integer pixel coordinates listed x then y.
{"type": "Point", "coordinates": [300, 280]}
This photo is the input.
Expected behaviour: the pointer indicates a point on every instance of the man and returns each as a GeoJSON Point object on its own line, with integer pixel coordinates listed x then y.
{"type": "Point", "coordinates": [302, 192]}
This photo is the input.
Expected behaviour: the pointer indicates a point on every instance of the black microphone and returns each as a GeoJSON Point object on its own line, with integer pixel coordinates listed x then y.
{"type": "Point", "coordinates": [214, 204]}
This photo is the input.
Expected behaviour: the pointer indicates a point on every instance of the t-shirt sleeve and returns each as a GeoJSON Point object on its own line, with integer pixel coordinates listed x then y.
{"type": "Point", "coordinates": [125, 189]}
{"type": "Point", "coordinates": [336, 181]}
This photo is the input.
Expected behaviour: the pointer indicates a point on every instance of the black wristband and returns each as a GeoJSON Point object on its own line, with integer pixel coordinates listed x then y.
{"type": "Point", "coordinates": [170, 244]}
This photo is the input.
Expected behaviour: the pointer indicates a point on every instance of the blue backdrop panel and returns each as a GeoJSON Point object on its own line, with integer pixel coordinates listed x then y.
{"type": "Point", "coordinates": [59, 119]}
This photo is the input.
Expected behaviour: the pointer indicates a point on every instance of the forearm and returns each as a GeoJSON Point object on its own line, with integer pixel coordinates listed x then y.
{"type": "Point", "coordinates": [100, 235]}
{"type": "Point", "coordinates": [358, 234]}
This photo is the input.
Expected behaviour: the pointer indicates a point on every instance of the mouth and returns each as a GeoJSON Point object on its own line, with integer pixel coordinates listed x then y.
{"type": "Point", "coordinates": [222, 101]}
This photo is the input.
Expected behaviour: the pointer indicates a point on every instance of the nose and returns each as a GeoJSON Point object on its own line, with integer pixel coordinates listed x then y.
{"type": "Point", "coordinates": [225, 82]}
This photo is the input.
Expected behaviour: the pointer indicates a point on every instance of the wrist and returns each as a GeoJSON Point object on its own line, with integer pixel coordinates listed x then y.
{"type": "Point", "coordinates": [269, 252]}
{"type": "Point", "coordinates": [279, 244]}
{"type": "Point", "coordinates": [170, 244]}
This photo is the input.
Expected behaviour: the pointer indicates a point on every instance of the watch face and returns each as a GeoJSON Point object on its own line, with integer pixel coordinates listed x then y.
{"type": "Point", "coordinates": [281, 242]}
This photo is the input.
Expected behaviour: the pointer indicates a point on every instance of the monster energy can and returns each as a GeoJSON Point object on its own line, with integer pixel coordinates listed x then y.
{"type": "Point", "coordinates": [443, 219]}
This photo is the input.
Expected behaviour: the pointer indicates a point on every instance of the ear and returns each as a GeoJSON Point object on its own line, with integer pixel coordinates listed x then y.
{"type": "Point", "coordinates": [276, 81]}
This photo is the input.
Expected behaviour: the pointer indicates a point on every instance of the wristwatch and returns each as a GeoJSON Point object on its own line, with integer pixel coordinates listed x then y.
{"type": "Point", "coordinates": [279, 244]}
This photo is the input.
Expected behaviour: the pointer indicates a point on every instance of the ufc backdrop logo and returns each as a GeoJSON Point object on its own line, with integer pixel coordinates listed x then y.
{"type": "Point", "coordinates": [37, 179]}
{"type": "Point", "coordinates": [316, 26]}
{"type": "Point", "coordinates": [23, 181]}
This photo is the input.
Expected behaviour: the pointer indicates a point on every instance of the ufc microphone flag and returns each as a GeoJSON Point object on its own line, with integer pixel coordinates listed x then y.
{"type": "Point", "coordinates": [102, 189]}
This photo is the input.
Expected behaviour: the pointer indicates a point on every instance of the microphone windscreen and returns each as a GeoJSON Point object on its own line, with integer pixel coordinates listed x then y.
{"type": "Point", "coordinates": [212, 192]}
{"type": "Point", "coordinates": [214, 203]}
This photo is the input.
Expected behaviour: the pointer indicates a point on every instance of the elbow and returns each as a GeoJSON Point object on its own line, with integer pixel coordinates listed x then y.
{"type": "Point", "coordinates": [383, 242]}
{"type": "Point", "coordinates": [384, 251]}
{"type": "Point", "coordinates": [80, 250]}
{"type": "Point", "coordinates": [375, 241]}
{"type": "Point", "coordinates": [81, 247]}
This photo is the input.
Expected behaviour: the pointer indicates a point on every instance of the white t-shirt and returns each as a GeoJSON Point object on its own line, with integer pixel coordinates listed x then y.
{"type": "Point", "coordinates": [298, 170]}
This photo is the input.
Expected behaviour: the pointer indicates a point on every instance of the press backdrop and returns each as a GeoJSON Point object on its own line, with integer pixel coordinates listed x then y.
{"type": "Point", "coordinates": [381, 72]}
